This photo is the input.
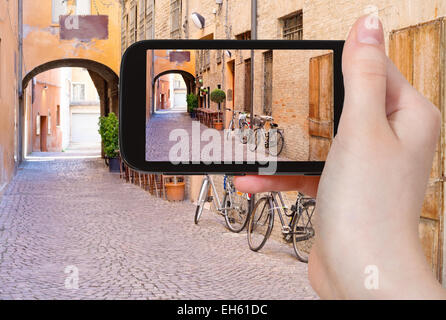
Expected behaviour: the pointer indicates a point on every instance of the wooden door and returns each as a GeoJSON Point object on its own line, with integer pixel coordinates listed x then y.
{"type": "Point", "coordinates": [43, 133]}
{"type": "Point", "coordinates": [320, 106]}
{"type": "Point", "coordinates": [247, 93]}
{"type": "Point", "coordinates": [419, 54]}
{"type": "Point", "coordinates": [163, 102]}
{"type": "Point", "coordinates": [268, 83]}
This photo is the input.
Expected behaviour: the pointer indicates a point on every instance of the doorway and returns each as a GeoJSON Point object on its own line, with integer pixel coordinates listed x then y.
{"type": "Point", "coordinates": [43, 133]}
{"type": "Point", "coordinates": [247, 93]}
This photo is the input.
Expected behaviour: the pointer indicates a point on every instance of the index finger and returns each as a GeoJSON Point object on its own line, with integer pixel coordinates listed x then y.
{"type": "Point", "coordinates": [256, 184]}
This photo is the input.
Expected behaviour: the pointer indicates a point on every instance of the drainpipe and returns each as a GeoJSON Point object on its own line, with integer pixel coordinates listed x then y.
{"type": "Point", "coordinates": [21, 113]}
{"type": "Point", "coordinates": [253, 37]}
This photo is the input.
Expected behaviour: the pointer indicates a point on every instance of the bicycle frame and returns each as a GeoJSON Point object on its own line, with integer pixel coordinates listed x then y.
{"type": "Point", "coordinates": [209, 182]}
{"type": "Point", "coordinates": [275, 206]}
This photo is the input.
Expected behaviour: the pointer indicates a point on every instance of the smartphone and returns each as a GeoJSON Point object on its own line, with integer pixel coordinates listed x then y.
{"type": "Point", "coordinates": [230, 106]}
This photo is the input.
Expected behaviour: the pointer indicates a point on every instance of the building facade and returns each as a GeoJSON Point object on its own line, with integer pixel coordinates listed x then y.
{"type": "Point", "coordinates": [48, 111]}
{"type": "Point", "coordinates": [309, 20]}
{"type": "Point", "coordinates": [63, 34]}
{"type": "Point", "coordinates": [9, 89]}
{"type": "Point", "coordinates": [84, 109]}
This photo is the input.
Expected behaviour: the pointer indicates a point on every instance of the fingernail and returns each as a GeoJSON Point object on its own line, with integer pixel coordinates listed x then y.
{"type": "Point", "coordinates": [369, 31]}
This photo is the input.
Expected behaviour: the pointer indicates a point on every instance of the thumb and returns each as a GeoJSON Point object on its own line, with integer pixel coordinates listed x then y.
{"type": "Point", "coordinates": [365, 74]}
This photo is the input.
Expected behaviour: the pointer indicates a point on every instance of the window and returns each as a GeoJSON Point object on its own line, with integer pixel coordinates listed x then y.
{"type": "Point", "coordinates": [49, 122]}
{"type": "Point", "coordinates": [124, 33]}
{"type": "Point", "coordinates": [175, 19]}
{"type": "Point", "coordinates": [207, 59]}
{"type": "Point", "coordinates": [244, 36]}
{"type": "Point", "coordinates": [78, 92]}
{"type": "Point", "coordinates": [132, 18]}
{"type": "Point", "coordinates": [293, 27]}
{"type": "Point", "coordinates": [38, 124]}
{"type": "Point", "coordinates": [58, 115]}
{"type": "Point", "coordinates": [149, 19]}
{"type": "Point", "coordinates": [83, 7]}
{"type": "Point", "coordinates": [141, 17]}
{"type": "Point", "coordinates": [59, 8]}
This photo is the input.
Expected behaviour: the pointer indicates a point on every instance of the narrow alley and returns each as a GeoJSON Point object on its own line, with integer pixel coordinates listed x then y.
{"type": "Point", "coordinates": [62, 215]}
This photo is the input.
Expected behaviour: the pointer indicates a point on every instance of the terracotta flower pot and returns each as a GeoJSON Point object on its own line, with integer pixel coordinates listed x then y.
{"type": "Point", "coordinates": [218, 125]}
{"type": "Point", "coordinates": [175, 191]}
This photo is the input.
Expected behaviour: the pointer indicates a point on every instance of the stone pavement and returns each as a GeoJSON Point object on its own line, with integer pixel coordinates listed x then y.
{"type": "Point", "coordinates": [126, 244]}
{"type": "Point", "coordinates": [158, 144]}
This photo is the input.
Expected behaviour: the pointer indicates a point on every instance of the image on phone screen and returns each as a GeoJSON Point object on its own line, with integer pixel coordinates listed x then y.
{"type": "Point", "coordinates": [238, 106]}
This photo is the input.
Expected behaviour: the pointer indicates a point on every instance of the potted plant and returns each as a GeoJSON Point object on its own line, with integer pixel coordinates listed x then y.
{"type": "Point", "coordinates": [192, 104]}
{"type": "Point", "coordinates": [175, 188]}
{"type": "Point", "coordinates": [218, 96]}
{"type": "Point", "coordinates": [109, 131]}
{"type": "Point", "coordinates": [203, 91]}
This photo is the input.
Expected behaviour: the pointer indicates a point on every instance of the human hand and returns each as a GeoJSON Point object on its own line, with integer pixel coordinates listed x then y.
{"type": "Point", "coordinates": [371, 191]}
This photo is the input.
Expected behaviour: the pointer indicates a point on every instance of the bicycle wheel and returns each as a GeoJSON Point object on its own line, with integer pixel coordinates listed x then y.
{"type": "Point", "coordinates": [303, 231]}
{"type": "Point", "coordinates": [237, 210]}
{"type": "Point", "coordinates": [255, 140]}
{"type": "Point", "coordinates": [275, 142]}
{"type": "Point", "coordinates": [244, 132]}
{"type": "Point", "coordinates": [201, 200]}
{"type": "Point", "coordinates": [260, 224]}
{"type": "Point", "coordinates": [229, 130]}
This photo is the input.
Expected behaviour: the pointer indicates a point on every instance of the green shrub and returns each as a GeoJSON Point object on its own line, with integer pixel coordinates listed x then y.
{"type": "Point", "coordinates": [192, 102]}
{"type": "Point", "coordinates": [109, 131]}
{"type": "Point", "coordinates": [218, 96]}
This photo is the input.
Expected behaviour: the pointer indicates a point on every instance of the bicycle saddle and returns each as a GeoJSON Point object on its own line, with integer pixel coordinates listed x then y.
{"type": "Point", "coordinates": [309, 203]}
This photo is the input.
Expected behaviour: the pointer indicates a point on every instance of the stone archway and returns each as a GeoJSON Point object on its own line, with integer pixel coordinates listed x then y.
{"type": "Point", "coordinates": [188, 78]}
{"type": "Point", "coordinates": [105, 80]}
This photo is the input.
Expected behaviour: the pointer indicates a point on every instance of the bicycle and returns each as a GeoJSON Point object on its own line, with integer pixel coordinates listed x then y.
{"type": "Point", "coordinates": [235, 205]}
{"type": "Point", "coordinates": [299, 230]}
{"type": "Point", "coordinates": [243, 125]}
{"type": "Point", "coordinates": [272, 138]}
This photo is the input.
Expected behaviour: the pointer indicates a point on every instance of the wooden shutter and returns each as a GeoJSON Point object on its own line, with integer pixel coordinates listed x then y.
{"type": "Point", "coordinates": [268, 83]}
{"type": "Point", "coordinates": [320, 106]}
{"type": "Point", "coordinates": [418, 52]}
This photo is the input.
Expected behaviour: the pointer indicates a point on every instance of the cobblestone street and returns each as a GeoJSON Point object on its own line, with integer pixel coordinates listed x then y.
{"type": "Point", "coordinates": [127, 244]}
{"type": "Point", "coordinates": [159, 144]}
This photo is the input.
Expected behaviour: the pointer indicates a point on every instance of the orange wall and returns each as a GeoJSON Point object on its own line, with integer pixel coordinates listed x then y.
{"type": "Point", "coordinates": [162, 63]}
{"type": "Point", "coordinates": [8, 88]}
{"type": "Point", "coordinates": [42, 43]}
{"type": "Point", "coordinates": [45, 104]}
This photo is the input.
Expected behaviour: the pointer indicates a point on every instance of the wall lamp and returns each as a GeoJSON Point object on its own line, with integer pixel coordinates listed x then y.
{"type": "Point", "coordinates": [198, 20]}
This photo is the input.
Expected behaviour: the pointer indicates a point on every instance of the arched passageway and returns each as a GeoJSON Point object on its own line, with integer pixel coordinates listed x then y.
{"type": "Point", "coordinates": [159, 88]}
{"type": "Point", "coordinates": [103, 79]}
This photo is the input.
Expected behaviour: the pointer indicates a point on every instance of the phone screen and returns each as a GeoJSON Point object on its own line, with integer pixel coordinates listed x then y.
{"type": "Point", "coordinates": [238, 106]}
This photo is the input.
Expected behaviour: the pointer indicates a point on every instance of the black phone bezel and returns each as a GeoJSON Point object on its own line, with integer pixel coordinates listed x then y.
{"type": "Point", "coordinates": [132, 92]}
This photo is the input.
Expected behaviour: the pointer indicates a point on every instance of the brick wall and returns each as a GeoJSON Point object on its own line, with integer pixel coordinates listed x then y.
{"type": "Point", "coordinates": [322, 19]}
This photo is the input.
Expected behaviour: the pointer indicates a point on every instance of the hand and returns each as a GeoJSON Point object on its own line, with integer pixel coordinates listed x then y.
{"type": "Point", "coordinates": [371, 191]}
